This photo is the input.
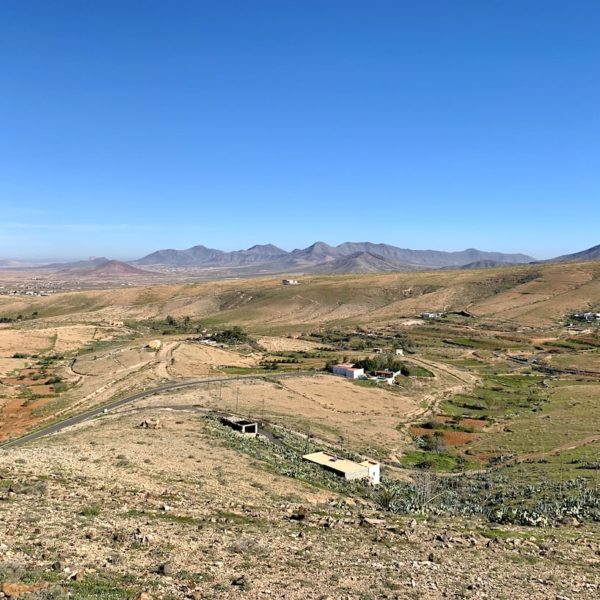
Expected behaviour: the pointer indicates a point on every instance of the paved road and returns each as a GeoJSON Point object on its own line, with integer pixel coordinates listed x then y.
{"type": "Point", "coordinates": [97, 411]}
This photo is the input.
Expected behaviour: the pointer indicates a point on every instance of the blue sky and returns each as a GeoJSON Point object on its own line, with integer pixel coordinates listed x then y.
{"type": "Point", "coordinates": [132, 126]}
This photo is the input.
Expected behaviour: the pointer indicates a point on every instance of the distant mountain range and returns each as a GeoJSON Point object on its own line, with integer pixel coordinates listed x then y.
{"type": "Point", "coordinates": [203, 256]}
{"type": "Point", "coordinates": [349, 257]}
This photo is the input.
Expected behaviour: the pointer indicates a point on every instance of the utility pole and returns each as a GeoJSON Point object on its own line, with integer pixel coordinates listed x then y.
{"type": "Point", "coordinates": [307, 445]}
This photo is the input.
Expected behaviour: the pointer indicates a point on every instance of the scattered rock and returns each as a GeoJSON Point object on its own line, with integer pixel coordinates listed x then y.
{"type": "Point", "coordinates": [370, 521]}
{"type": "Point", "coordinates": [119, 536]}
{"type": "Point", "coordinates": [300, 514]}
{"type": "Point", "coordinates": [243, 546]}
{"type": "Point", "coordinates": [240, 581]}
{"type": "Point", "coordinates": [150, 424]}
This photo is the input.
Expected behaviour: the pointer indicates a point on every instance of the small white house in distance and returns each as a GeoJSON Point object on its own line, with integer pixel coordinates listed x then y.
{"type": "Point", "coordinates": [348, 469]}
{"type": "Point", "coordinates": [432, 315]}
{"type": "Point", "coordinates": [289, 282]}
{"type": "Point", "coordinates": [348, 370]}
{"type": "Point", "coordinates": [399, 352]}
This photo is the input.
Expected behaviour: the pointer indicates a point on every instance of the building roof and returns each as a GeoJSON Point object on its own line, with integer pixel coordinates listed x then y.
{"type": "Point", "coordinates": [237, 420]}
{"type": "Point", "coordinates": [326, 459]}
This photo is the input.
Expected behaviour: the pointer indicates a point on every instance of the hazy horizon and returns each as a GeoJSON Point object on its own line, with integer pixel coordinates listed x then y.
{"type": "Point", "coordinates": [115, 254]}
{"type": "Point", "coordinates": [126, 258]}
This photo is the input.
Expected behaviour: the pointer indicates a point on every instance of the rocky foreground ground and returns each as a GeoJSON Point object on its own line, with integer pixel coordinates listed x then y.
{"type": "Point", "coordinates": [112, 510]}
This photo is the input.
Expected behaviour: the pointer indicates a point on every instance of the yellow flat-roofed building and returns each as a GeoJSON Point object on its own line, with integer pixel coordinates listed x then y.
{"type": "Point", "coordinates": [348, 469]}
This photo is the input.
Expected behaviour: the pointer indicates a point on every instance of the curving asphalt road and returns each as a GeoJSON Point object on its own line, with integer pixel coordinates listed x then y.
{"type": "Point", "coordinates": [99, 410]}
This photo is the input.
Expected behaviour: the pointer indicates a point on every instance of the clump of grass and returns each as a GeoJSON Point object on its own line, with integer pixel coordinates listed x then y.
{"type": "Point", "coordinates": [92, 510]}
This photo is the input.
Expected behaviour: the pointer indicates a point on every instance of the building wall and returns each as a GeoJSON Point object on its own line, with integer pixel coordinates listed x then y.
{"type": "Point", "coordinates": [350, 373]}
{"type": "Point", "coordinates": [356, 475]}
{"type": "Point", "coordinates": [374, 474]}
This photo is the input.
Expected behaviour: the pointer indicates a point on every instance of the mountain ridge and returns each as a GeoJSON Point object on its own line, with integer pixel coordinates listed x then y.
{"type": "Point", "coordinates": [592, 253]}
{"type": "Point", "coordinates": [314, 258]}
{"type": "Point", "coordinates": [319, 257]}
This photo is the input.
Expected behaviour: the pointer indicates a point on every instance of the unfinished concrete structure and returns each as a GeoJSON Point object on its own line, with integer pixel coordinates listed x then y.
{"type": "Point", "coordinates": [348, 469]}
{"type": "Point", "coordinates": [241, 425]}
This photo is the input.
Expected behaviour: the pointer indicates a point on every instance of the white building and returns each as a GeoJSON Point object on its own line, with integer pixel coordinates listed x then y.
{"type": "Point", "coordinates": [289, 282]}
{"type": "Point", "coordinates": [348, 469]}
{"type": "Point", "coordinates": [373, 470]}
{"type": "Point", "coordinates": [348, 370]}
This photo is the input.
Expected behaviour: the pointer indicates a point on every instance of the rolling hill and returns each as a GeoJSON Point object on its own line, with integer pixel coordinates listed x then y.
{"type": "Point", "coordinates": [110, 268]}
{"type": "Point", "coordinates": [530, 295]}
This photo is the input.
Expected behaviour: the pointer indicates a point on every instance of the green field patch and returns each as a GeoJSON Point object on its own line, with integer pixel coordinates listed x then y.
{"type": "Point", "coordinates": [418, 371]}
{"type": "Point", "coordinates": [484, 343]}
{"type": "Point", "coordinates": [569, 418]}
{"type": "Point", "coordinates": [422, 459]}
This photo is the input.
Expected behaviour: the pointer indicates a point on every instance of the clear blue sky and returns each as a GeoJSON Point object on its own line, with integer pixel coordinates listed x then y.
{"type": "Point", "coordinates": [131, 126]}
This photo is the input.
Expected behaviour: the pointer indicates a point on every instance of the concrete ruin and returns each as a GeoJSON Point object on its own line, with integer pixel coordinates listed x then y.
{"type": "Point", "coordinates": [240, 425]}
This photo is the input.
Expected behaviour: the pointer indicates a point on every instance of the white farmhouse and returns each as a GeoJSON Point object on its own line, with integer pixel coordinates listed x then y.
{"type": "Point", "coordinates": [348, 370]}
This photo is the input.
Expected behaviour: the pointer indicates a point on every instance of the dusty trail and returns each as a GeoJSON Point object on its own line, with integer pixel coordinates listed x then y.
{"type": "Point", "coordinates": [432, 401]}
{"type": "Point", "coordinates": [463, 376]}
{"type": "Point", "coordinates": [164, 356]}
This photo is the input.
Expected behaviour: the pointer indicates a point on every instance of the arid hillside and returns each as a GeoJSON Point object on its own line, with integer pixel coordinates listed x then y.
{"type": "Point", "coordinates": [116, 511]}
{"type": "Point", "coordinates": [534, 295]}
